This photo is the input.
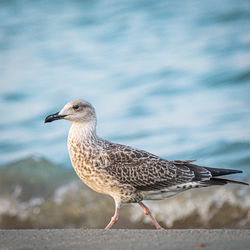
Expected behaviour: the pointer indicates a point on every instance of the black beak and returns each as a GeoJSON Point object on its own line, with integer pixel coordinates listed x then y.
{"type": "Point", "coordinates": [53, 117]}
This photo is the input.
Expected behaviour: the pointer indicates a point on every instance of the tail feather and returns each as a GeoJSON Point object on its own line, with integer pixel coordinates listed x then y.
{"type": "Point", "coordinates": [220, 181]}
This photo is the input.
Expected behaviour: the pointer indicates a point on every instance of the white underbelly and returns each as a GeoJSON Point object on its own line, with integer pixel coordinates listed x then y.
{"type": "Point", "coordinates": [168, 192]}
{"type": "Point", "coordinates": [157, 195]}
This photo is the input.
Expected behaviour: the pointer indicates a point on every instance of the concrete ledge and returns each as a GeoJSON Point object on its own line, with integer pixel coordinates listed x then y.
{"type": "Point", "coordinates": [124, 239]}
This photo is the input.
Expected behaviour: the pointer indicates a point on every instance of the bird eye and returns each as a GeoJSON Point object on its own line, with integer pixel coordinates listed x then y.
{"type": "Point", "coordinates": [75, 107]}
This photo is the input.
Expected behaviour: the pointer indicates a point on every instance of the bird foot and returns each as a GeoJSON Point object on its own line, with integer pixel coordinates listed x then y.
{"type": "Point", "coordinates": [161, 228]}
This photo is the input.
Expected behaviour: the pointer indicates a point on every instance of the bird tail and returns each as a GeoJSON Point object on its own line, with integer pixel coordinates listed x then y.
{"type": "Point", "coordinates": [219, 172]}
{"type": "Point", "coordinates": [220, 181]}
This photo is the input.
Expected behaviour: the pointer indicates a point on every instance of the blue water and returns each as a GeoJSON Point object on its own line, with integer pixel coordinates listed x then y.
{"type": "Point", "coordinates": [170, 77]}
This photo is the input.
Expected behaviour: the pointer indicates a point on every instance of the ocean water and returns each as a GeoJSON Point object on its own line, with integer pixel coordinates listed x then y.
{"type": "Point", "coordinates": [169, 77]}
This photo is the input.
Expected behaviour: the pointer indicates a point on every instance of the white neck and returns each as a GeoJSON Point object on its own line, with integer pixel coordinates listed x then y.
{"type": "Point", "coordinates": [83, 132]}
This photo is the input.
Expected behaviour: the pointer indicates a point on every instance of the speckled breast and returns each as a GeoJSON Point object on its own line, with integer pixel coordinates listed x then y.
{"type": "Point", "coordinates": [89, 165]}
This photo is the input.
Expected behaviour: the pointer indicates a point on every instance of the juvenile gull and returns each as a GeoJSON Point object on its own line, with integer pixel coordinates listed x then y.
{"type": "Point", "coordinates": [128, 175]}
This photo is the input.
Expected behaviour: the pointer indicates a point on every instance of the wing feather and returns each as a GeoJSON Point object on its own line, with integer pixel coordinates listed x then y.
{"type": "Point", "coordinates": [146, 171]}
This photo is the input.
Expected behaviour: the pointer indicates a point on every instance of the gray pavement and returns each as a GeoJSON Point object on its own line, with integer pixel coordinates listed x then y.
{"type": "Point", "coordinates": [125, 239]}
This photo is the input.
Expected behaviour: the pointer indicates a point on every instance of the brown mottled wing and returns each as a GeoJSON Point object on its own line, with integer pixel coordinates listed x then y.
{"type": "Point", "coordinates": [146, 171]}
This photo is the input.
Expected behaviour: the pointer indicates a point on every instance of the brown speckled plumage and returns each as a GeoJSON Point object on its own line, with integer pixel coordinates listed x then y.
{"type": "Point", "coordinates": [127, 174]}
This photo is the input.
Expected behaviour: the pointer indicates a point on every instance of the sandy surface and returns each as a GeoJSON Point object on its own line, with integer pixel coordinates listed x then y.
{"type": "Point", "coordinates": [124, 239]}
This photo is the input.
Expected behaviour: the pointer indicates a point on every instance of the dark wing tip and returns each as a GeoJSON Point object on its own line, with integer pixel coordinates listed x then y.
{"type": "Point", "coordinates": [222, 171]}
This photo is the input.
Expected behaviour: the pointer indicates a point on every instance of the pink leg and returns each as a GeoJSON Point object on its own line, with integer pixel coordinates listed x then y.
{"type": "Point", "coordinates": [148, 213]}
{"type": "Point", "coordinates": [114, 219]}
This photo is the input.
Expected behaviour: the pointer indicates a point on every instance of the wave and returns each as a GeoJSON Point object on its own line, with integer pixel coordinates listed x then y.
{"type": "Point", "coordinates": [35, 193]}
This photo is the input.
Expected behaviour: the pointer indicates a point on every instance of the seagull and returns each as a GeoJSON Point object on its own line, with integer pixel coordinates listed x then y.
{"type": "Point", "coordinates": [127, 174]}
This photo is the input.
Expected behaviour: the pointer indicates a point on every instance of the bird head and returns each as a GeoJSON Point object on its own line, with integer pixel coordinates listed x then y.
{"type": "Point", "coordinates": [78, 111]}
